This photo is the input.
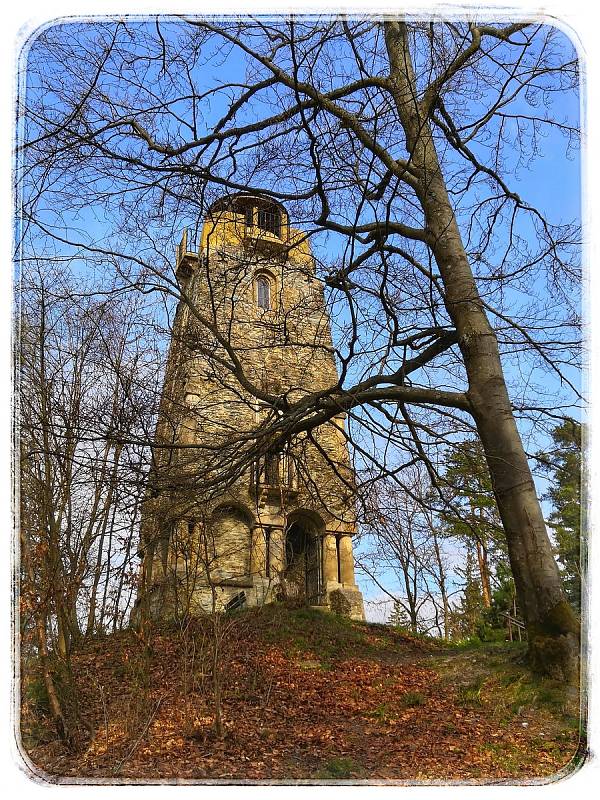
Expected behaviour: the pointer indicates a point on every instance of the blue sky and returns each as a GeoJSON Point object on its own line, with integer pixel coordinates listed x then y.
{"type": "Point", "coordinates": [581, 16]}
{"type": "Point", "coordinates": [552, 181]}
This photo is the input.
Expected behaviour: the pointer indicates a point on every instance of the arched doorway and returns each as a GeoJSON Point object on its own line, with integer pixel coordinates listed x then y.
{"type": "Point", "coordinates": [303, 569]}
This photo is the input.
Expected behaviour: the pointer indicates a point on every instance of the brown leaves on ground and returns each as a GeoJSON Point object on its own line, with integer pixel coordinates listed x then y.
{"type": "Point", "coordinates": [306, 697]}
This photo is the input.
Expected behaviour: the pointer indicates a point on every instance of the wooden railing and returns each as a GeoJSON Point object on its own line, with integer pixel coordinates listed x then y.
{"type": "Point", "coordinates": [514, 622]}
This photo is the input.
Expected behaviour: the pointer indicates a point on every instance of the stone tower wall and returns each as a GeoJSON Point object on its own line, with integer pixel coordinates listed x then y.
{"type": "Point", "coordinates": [212, 541]}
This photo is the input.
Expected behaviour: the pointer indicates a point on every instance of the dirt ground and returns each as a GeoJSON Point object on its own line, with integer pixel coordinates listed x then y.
{"type": "Point", "coordinates": [305, 697]}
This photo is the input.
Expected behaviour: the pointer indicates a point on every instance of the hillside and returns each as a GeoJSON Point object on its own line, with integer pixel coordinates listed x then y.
{"type": "Point", "coordinates": [306, 696]}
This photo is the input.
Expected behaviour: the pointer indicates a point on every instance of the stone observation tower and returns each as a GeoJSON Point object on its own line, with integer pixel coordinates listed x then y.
{"type": "Point", "coordinates": [229, 520]}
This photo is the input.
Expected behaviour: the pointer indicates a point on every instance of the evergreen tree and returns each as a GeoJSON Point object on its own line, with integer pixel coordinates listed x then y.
{"type": "Point", "coordinates": [473, 517]}
{"type": "Point", "coordinates": [503, 600]}
{"type": "Point", "coordinates": [562, 464]}
{"type": "Point", "coordinates": [399, 617]}
{"type": "Point", "coordinates": [466, 618]}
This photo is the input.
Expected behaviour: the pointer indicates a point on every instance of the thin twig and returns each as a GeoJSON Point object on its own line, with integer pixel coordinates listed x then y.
{"type": "Point", "coordinates": [140, 737]}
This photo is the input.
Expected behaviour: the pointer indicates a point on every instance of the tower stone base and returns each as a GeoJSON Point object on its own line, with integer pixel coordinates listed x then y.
{"type": "Point", "coordinates": [347, 601]}
{"type": "Point", "coordinates": [166, 599]}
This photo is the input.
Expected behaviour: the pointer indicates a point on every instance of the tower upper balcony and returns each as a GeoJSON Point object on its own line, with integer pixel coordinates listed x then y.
{"type": "Point", "coordinates": [258, 221]}
{"type": "Point", "coordinates": [251, 221]}
{"type": "Point", "coordinates": [187, 254]}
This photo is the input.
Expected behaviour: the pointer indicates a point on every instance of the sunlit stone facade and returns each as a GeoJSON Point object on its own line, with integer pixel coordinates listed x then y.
{"type": "Point", "coordinates": [221, 529]}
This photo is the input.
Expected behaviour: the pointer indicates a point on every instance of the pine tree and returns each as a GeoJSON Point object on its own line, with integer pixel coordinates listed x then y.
{"type": "Point", "coordinates": [399, 617]}
{"type": "Point", "coordinates": [473, 517]}
{"type": "Point", "coordinates": [466, 618]}
{"type": "Point", "coordinates": [563, 466]}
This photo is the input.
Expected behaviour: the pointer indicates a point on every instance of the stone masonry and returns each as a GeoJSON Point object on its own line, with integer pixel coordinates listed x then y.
{"type": "Point", "coordinates": [230, 518]}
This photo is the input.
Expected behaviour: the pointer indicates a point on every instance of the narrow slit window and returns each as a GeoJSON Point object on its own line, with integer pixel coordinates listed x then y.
{"type": "Point", "coordinates": [263, 291]}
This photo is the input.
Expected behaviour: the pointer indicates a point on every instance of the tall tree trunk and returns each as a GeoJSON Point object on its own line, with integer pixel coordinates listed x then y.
{"type": "Point", "coordinates": [108, 509]}
{"type": "Point", "coordinates": [118, 616]}
{"type": "Point", "coordinates": [40, 615]}
{"type": "Point", "coordinates": [51, 515]}
{"type": "Point", "coordinates": [486, 590]}
{"type": "Point", "coordinates": [441, 579]}
{"type": "Point", "coordinates": [553, 628]}
{"type": "Point", "coordinates": [107, 577]}
{"type": "Point", "coordinates": [410, 587]}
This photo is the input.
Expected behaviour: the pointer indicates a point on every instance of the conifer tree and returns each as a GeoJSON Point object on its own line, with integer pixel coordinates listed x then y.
{"type": "Point", "coordinates": [398, 617]}
{"type": "Point", "coordinates": [472, 514]}
{"type": "Point", "coordinates": [563, 466]}
{"type": "Point", "coordinates": [466, 618]}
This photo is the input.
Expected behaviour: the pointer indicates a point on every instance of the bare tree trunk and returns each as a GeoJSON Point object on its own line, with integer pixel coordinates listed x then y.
{"type": "Point", "coordinates": [216, 669]}
{"type": "Point", "coordinates": [123, 569]}
{"type": "Point", "coordinates": [441, 579]}
{"type": "Point", "coordinates": [551, 623]}
{"type": "Point", "coordinates": [40, 616]}
{"type": "Point", "coordinates": [108, 510]}
{"type": "Point", "coordinates": [50, 521]}
{"type": "Point", "coordinates": [484, 571]}
{"type": "Point", "coordinates": [108, 570]}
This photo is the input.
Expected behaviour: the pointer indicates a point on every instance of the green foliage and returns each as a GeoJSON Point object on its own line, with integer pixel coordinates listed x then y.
{"type": "Point", "coordinates": [562, 464]}
{"type": "Point", "coordinates": [496, 676]}
{"type": "Point", "coordinates": [469, 694]}
{"type": "Point", "coordinates": [503, 595]}
{"type": "Point", "coordinates": [36, 695]}
{"type": "Point", "coordinates": [308, 630]}
{"type": "Point", "coordinates": [399, 618]}
{"type": "Point", "coordinates": [472, 623]}
{"type": "Point", "coordinates": [466, 618]}
{"type": "Point", "coordinates": [503, 601]}
{"type": "Point", "coordinates": [35, 728]}
{"type": "Point", "coordinates": [475, 521]}
{"type": "Point", "coordinates": [517, 691]}
{"type": "Point", "coordinates": [339, 768]}
{"type": "Point", "coordinates": [412, 699]}
{"type": "Point", "coordinates": [382, 712]}
{"type": "Point", "coordinates": [469, 488]}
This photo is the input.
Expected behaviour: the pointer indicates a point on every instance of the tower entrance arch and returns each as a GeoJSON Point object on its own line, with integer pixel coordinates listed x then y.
{"type": "Point", "coordinates": [303, 572]}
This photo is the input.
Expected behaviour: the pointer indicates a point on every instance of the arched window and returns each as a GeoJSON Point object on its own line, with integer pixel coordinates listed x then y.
{"type": "Point", "coordinates": [263, 292]}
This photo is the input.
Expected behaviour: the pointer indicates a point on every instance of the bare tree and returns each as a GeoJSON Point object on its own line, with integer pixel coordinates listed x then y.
{"type": "Point", "coordinates": [395, 144]}
{"type": "Point", "coordinates": [403, 553]}
{"type": "Point", "coordinates": [79, 361]}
